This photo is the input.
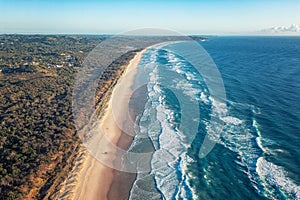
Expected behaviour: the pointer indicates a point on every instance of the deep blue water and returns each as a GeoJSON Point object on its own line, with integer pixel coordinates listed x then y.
{"type": "Point", "coordinates": [256, 156]}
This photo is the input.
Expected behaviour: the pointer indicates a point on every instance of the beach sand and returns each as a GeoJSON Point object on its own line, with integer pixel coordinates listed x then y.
{"type": "Point", "coordinates": [94, 180]}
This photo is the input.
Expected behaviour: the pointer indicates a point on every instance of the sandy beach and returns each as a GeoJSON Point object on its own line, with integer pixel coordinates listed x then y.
{"type": "Point", "coordinates": [94, 180]}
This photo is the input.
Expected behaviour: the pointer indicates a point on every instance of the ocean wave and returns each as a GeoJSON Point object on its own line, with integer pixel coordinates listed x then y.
{"type": "Point", "coordinates": [247, 141]}
{"type": "Point", "coordinates": [158, 122]}
{"type": "Point", "coordinates": [236, 122]}
{"type": "Point", "coordinates": [275, 177]}
{"type": "Point", "coordinates": [171, 149]}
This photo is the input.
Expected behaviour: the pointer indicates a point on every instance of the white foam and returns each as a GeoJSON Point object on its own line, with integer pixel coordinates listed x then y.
{"type": "Point", "coordinates": [231, 120]}
{"type": "Point", "coordinates": [237, 137]}
{"type": "Point", "coordinates": [158, 123]}
{"type": "Point", "coordinates": [183, 192]}
{"type": "Point", "coordinates": [171, 148]}
{"type": "Point", "coordinates": [188, 89]}
{"type": "Point", "coordinates": [259, 138]}
{"type": "Point", "coordinates": [219, 108]}
{"type": "Point", "coordinates": [190, 76]}
{"type": "Point", "coordinates": [204, 98]}
{"type": "Point", "coordinates": [275, 176]}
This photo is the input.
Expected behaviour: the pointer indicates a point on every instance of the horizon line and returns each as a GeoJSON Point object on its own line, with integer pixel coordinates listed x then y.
{"type": "Point", "coordinates": [192, 34]}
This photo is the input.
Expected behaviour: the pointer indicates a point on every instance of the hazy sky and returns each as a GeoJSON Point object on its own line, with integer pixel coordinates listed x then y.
{"type": "Point", "coordinates": [111, 16]}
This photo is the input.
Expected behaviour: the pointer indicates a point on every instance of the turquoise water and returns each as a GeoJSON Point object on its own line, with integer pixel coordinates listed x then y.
{"type": "Point", "coordinates": [256, 156]}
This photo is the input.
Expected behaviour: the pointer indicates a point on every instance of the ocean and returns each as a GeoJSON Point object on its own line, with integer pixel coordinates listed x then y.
{"type": "Point", "coordinates": [254, 130]}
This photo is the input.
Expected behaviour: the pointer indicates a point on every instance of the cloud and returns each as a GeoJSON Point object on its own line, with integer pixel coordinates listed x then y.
{"type": "Point", "coordinates": [293, 29]}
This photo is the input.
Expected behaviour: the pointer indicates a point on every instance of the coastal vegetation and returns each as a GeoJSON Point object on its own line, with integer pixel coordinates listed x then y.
{"type": "Point", "coordinates": [38, 138]}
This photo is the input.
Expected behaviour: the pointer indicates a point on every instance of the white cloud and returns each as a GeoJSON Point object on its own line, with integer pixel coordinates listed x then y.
{"type": "Point", "coordinates": [293, 29]}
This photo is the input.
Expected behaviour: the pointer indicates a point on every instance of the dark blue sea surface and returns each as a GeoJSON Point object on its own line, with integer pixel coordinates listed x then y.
{"type": "Point", "coordinates": [256, 127]}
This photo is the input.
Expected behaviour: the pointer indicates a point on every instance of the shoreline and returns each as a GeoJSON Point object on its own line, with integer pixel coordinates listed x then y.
{"type": "Point", "coordinates": [90, 179]}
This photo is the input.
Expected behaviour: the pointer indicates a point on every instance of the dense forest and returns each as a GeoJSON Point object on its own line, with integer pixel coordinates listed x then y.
{"type": "Point", "coordinates": [37, 135]}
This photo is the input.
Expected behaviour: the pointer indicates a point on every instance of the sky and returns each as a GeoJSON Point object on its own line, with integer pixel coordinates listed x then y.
{"type": "Point", "coordinates": [114, 16]}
